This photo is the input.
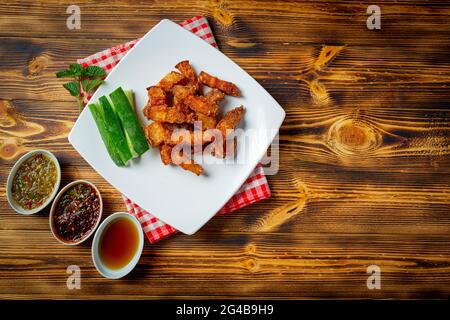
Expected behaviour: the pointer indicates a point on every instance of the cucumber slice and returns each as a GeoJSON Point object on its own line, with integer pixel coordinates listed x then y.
{"type": "Point", "coordinates": [130, 96]}
{"type": "Point", "coordinates": [130, 123]}
{"type": "Point", "coordinates": [115, 130]}
{"type": "Point", "coordinates": [134, 154]}
{"type": "Point", "coordinates": [97, 114]}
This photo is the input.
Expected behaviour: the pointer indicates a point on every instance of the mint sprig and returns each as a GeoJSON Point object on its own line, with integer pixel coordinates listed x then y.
{"type": "Point", "coordinates": [85, 78]}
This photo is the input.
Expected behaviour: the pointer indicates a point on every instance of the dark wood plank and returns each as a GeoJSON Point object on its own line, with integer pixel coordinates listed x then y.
{"type": "Point", "coordinates": [293, 73]}
{"type": "Point", "coordinates": [239, 23]}
{"type": "Point", "coordinates": [240, 264]}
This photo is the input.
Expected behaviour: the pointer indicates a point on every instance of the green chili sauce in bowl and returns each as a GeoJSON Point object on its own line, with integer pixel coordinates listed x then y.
{"type": "Point", "coordinates": [33, 181]}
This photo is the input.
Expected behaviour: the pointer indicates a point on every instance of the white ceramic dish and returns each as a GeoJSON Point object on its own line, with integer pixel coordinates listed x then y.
{"type": "Point", "coordinates": [13, 172]}
{"type": "Point", "coordinates": [99, 265]}
{"type": "Point", "coordinates": [52, 212]}
{"type": "Point", "coordinates": [175, 196]}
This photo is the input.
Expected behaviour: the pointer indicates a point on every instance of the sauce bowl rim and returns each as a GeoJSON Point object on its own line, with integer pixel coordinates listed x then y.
{"type": "Point", "coordinates": [12, 174]}
{"type": "Point", "coordinates": [99, 265]}
{"type": "Point", "coordinates": [53, 208]}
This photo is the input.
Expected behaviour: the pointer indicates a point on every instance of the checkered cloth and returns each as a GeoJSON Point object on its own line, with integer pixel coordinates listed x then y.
{"type": "Point", "coordinates": [255, 188]}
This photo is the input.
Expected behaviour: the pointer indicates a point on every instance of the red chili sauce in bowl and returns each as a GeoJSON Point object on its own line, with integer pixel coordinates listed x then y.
{"type": "Point", "coordinates": [76, 212]}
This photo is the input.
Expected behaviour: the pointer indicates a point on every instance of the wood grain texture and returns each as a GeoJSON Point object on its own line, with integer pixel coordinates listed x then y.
{"type": "Point", "coordinates": [364, 152]}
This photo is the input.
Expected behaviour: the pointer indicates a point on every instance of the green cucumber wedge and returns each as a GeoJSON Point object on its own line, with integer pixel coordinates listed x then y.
{"type": "Point", "coordinates": [97, 114]}
{"type": "Point", "coordinates": [115, 130]}
{"type": "Point", "coordinates": [130, 96]}
{"type": "Point", "coordinates": [130, 123]}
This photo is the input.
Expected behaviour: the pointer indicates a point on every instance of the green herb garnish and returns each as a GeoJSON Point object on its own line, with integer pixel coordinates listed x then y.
{"type": "Point", "coordinates": [87, 79]}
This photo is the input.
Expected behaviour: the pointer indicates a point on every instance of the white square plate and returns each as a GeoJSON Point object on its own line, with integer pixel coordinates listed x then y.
{"type": "Point", "coordinates": [175, 196]}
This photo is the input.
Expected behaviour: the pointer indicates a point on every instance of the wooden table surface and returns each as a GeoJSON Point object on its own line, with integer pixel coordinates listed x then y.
{"type": "Point", "coordinates": [364, 173]}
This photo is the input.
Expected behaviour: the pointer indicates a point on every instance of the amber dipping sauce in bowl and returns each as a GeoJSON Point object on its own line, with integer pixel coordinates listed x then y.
{"type": "Point", "coordinates": [117, 245]}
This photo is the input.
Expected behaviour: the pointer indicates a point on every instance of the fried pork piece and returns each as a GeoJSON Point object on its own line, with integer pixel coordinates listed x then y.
{"type": "Point", "coordinates": [228, 88]}
{"type": "Point", "coordinates": [186, 136]}
{"type": "Point", "coordinates": [179, 94]}
{"type": "Point", "coordinates": [188, 164]}
{"type": "Point", "coordinates": [201, 105]}
{"type": "Point", "coordinates": [163, 113]}
{"type": "Point", "coordinates": [165, 151]}
{"type": "Point", "coordinates": [230, 121]}
{"type": "Point", "coordinates": [207, 122]}
{"type": "Point", "coordinates": [215, 96]}
{"type": "Point", "coordinates": [192, 167]}
{"type": "Point", "coordinates": [186, 69]}
{"type": "Point", "coordinates": [183, 108]}
{"type": "Point", "coordinates": [157, 134]}
{"type": "Point", "coordinates": [171, 79]}
{"type": "Point", "coordinates": [156, 96]}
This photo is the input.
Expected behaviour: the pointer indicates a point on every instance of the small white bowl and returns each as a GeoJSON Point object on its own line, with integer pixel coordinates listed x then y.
{"type": "Point", "coordinates": [99, 265]}
{"type": "Point", "coordinates": [13, 172]}
{"type": "Point", "coordinates": [55, 202]}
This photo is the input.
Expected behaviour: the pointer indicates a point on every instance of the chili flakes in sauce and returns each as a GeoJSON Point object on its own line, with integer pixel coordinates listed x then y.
{"type": "Point", "coordinates": [34, 181]}
{"type": "Point", "coordinates": [76, 212]}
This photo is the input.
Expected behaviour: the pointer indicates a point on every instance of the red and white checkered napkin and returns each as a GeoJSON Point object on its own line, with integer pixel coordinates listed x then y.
{"type": "Point", "coordinates": [255, 188]}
